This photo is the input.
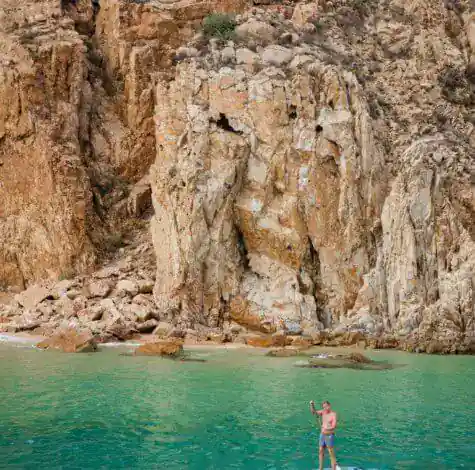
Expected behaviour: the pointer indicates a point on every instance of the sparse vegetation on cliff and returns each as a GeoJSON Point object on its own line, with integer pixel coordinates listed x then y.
{"type": "Point", "coordinates": [219, 26]}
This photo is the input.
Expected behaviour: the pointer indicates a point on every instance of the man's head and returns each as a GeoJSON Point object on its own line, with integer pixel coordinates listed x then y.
{"type": "Point", "coordinates": [326, 406]}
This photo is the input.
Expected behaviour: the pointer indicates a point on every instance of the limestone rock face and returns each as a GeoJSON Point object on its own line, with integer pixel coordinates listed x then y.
{"type": "Point", "coordinates": [271, 183]}
{"type": "Point", "coordinates": [423, 279]}
{"type": "Point", "coordinates": [44, 191]}
{"type": "Point", "coordinates": [265, 186]}
{"type": "Point", "coordinates": [138, 40]}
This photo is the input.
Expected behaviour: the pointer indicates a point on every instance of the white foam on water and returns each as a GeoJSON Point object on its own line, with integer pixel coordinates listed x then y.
{"type": "Point", "coordinates": [6, 338]}
{"type": "Point", "coordinates": [118, 345]}
{"type": "Point", "coordinates": [17, 341]}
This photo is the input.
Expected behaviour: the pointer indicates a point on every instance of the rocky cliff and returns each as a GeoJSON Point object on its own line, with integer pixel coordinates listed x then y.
{"type": "Point", "coordinates": [298, 166]}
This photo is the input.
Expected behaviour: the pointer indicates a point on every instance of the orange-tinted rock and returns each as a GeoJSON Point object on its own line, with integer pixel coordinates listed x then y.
{"type": "Point", "coordinates": [301, 342]}
{"type": "Point", "coordinates": [345, 339]}
{"type": "Point", "coordinates": [258, 341]}
{"type": "Point", "coordinates": [70, 340]}
{"type": "Point", "coordinates": [281, 340]}
{"type": "Point", "coordinates": [242, 316]}
{"type": "Point", "coordinates": [383, 342]}
{"type": "Point", "coordinates": [267, 341]}
{"type": "Point", "coordinates": [173, 348]}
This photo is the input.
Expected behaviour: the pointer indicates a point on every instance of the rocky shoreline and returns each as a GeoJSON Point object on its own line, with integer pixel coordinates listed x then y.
{"type": "Point", "coordinates": [313, 357]}
{"type": "Point", "coordinates": [116, 304]}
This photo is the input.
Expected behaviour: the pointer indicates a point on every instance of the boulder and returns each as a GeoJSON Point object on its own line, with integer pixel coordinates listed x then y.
{"type": "Point", "coordinates": [276, 55]}
{"type": "Point", "coordinates": [228, 55]}
{"type": "Point", "coordinates": [259, 341]}
{"type": "Point", "coordinates": [217, 337]}
{"type": "Point", "coordinates": [280, 339]}
{"type": "Point", "coordinates": [108, 272]}
{"type": "Point", "coordinates": [143, 299]}
{"type": "Point", "coordinates": [140, 198]}
{"type": "Point", "coordinates": [304, 12]}
{"type": "Point", "coordinates": [95, 313]}
{"type": "Point", "coordinates": [349, 338]}
{"type": "Point", "coordinates": [32, 296]}
{"type": "Point", "coordinates": [437, 347]}
{"type": "Point", "coordinates": [140, 312]}
{"type": "Point", "coordinates": [44, 330]}
{"type": "Point", "coordinates": [301, 342]}
{"type": "Point", "coordinates": [176, 332]}
{"type": "Point", "coordinates": [259, 30]}
{"type": "Point", "coordinates": [383, 342]}
{"type": "Point", "coordinates": [246, 56]}
{"type": "Point", "coordinates": [70, 340]}
{"type": "Point", "coordinates": [122, 331]}
{"type": "Point", "coordinates": [72, 294]}
{"type": "Point", "coordinates": [162, 329]}
{"type": "Point", "coordinates": [235, 329]}
{"type": "Point", "coordinates": [192, 334]}
{"type": "Point", "coordinates": [61, 288]}
{"type": "Point", "coordinates": [172, 348]}
{"type": "Point", "coordinates": [25, 325]}
{"type": "Point", "coordinates": [127, 287]}
{"type": "Point", "coordinates": [147, 326]}
{"type": "Point", "coordinates": [145, 286]}
{"type": "Point", "coordinates": [316, 336]}
{"type": "Point", "coordinates": [101, 288]}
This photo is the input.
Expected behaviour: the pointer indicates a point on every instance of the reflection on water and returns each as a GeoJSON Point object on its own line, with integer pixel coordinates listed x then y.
{"type": "Point", "coordinates": [238, 410]}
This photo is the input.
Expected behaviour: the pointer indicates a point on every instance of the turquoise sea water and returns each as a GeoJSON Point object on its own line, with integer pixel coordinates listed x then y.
{"type": "Point", "coordinates": [237, 411]}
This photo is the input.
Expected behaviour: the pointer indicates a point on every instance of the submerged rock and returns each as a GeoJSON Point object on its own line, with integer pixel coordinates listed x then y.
{"type": "Point", "coordinates": [348, 361]}
{"type": "Point", "coordinates": [283, 352]}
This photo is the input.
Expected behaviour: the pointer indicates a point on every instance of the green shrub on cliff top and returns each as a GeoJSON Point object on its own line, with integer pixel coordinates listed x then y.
{"type": "Point", "coordinates": [219, 26]}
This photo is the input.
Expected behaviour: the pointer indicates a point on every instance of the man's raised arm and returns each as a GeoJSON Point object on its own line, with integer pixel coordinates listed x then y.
{"type": "Point", "coordinates": [313, 410]}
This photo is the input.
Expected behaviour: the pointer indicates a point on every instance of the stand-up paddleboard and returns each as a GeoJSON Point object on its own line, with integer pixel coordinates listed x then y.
{"type": "Point", "coordinates": [339, 467]}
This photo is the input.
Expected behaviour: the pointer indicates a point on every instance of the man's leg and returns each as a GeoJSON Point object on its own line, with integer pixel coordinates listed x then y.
{"type": "Point", "coordinates": [321, 457]}
{"type": "Point", "coordinates": [321, 451]}
{"type": "Point", "coordinates": [331, 450]}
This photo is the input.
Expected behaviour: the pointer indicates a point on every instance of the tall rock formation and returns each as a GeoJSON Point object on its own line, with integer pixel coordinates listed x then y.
{"type": "Point", "coordinates": [45, 194]}
{"type": "Point", "coordinates": [276, 173]}
{"type": "Point", "coordinates": [311, 163]}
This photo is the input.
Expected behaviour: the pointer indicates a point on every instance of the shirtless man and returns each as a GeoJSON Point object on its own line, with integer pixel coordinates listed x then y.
{"type": "Point", "coordinates": [327, 434]}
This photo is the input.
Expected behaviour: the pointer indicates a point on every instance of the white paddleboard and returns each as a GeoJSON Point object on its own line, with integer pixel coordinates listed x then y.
{"type": "Point", "coordinates": [338, 467]}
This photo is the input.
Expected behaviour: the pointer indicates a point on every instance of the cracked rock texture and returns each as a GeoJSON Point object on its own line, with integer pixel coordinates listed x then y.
{"type": "Point", "coordinates": [314, 171]}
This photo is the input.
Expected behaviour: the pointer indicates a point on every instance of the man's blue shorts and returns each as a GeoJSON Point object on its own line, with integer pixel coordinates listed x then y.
{"type": "Point", "coordinates": [327, 440]}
